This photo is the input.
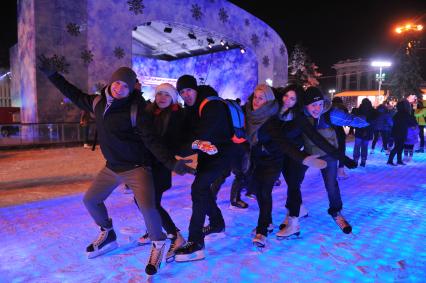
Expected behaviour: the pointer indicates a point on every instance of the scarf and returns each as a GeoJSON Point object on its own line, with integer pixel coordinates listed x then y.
{"type": "Point", "coordinates": [256, 118]}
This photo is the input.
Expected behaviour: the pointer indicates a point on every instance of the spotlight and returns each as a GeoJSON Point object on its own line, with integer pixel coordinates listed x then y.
{"type": "Point", "coordinates": [191, 35]}
{"type": "Point", "coordinates": [168, 29]}
{"type": "Point", "coordinates": [227, 46]}
{"type": "Point", "coordinates": [242, 49]}
{"type": "Point", "coordinates": [210, 45]}
{"type": "Point", "coordinates": [222, 42]}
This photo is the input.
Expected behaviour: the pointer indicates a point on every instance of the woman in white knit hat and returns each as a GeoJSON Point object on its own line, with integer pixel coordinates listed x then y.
{"type": "Point", "coordinates": [168, 119]}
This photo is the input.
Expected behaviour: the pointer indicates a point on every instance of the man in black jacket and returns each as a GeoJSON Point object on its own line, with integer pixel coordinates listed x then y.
{"type": "Point", "coordinates": [211, 132]}
{"type": "Point", "coordinates": [126, 148]}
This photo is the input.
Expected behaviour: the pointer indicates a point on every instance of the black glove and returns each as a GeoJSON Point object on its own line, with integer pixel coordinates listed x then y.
{"type": "Point", "coordinates": [181, 168]}
{"type": "Point", "coordinates": [45, 65]}
{"type": "Point", "coordinates": [350, 163]}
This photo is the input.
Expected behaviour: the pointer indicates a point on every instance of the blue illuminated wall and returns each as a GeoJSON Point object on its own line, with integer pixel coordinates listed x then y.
{"type": "Point", "coordinates": [231, 73]}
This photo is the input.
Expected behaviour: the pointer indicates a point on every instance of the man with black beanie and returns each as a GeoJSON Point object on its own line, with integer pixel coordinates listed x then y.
{"type": "Point", "coordinates": [127, 149]}
{"type": "Point", "coordinates": [210, 131]}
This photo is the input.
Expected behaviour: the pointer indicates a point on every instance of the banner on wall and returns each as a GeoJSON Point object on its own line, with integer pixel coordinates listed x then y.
{"type": "Point", "coordinates": [154, 81]}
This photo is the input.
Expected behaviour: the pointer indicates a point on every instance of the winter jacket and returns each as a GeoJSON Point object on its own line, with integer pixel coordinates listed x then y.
{"type": "Point", "coordinates": [384, 119]}
{"type": "Point", "coordinates": [297, 126]}
{"type": "Point", "coordinates": [214, 124]}
{"type": "Point", "coordinates": [324, 125]}
{"type": "Point", "coordinates": [420, 115]}
{"type": "Point", "coordinates": [366, 133]}
{"type": "Point", "coordinates": [123, 147]}
{"type": "Point", "coordinates": [272, 144]}
{"type": "Point", "coordinates": [168, 124]}
{"type": "Point", "coordinates": [401, 121]}
{"type": "Point", "coordinates": [412, 135]}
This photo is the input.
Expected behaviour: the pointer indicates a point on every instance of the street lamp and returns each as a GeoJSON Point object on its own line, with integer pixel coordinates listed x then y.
{"type": "Point", "coordinates": [410, 31]}
{"type": "Point", "coordinates": [381, 76]}
{"type": "Point", "coordinates": [332, 92]}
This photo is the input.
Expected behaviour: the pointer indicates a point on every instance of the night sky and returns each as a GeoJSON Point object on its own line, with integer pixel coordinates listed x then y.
{"type": "Point", "coordinates": [330, 30]}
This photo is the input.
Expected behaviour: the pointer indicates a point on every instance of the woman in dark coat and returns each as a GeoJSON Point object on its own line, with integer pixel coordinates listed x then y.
{"type": "Point", "coordinates": [364, 135]}
{"type": "Point", "coordinates": [401, 121]}
{"type": "Point", "coordinates": [267, 148]}
{"type": "Point", "coordinates": [168, 118]}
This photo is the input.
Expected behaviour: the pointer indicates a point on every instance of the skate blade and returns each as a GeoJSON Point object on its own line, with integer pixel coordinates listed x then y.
{"type": "Point", "coordinates": [289, 237]}
{"type": "Point", "coordinates": [107, 248]}
{"type": "Point", "coordinates": [215, 236]}
{"type": "Point", "coordinates": [258, 245]}
{"type": "Point", "coordinates": [236, 208]}
{"type": "Point", "coordinates": [198, 255]}
{"type": "Point", "coordinates": [170, 259]}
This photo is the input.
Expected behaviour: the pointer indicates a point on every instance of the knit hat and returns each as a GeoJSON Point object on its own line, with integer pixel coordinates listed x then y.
{"type": "Point", "coordinates": [126, 75]}
{"type": "Point", "coordinates": [186, 81]}
{"type": "Point", "coordinates": [312, 94]}
{"type": "Point", "coordinates": [269, 94]}
{"type": "Point", "coordinates": [169, 89]}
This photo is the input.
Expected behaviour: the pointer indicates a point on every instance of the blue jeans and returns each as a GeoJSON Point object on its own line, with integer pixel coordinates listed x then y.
{"type": "Point", "coordinates": [360, 148]}
{"type": "Point", "coordinates": [329, 175]}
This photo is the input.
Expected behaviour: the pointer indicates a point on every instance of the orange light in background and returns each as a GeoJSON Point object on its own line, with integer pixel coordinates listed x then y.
{"type": "Point", "coordinates": [398, 30]}
{"type": "Point", "coordinates": [419, 27]}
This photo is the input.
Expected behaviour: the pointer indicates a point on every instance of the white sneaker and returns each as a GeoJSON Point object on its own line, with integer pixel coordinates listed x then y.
{"type": "Point", "coordinates": [292, 228]}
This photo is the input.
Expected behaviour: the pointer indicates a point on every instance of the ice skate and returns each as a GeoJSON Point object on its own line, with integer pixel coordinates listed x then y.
{"type": "Point", "coordinates": [342, 223]}
{"type": "Point", "coordinates": [259, 241]}
{"type": "Point", "coordinates": [211, 230]}
{"type": "Point", "coordinates": [156, 257]}
{"type": "Point", "coordinates": [291, 230]}
{"type": "Point", "coordinates": [176, 242]}
{"type": "Point", "coordinates": [270, 229]}
{"type": "Point", "coordinates": [238, 205]}
{"type": "Point", "coordinates": [144, 240]}
{"type": "Point", "coordinates": [106, 241]}
{"type": "Point", "coordinates": [341, 174]}
{"type": "Point", "coordinates": [303, 213]}
{"type": "Point", "coordinates": [189, 252]}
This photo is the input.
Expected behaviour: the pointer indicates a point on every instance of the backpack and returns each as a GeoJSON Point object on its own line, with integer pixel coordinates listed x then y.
{"type": "Point", "coordinates": [237, 117]}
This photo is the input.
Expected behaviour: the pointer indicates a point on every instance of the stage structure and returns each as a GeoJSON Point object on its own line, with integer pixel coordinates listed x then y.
{"type": "Point", "coordinates": [216, 41]}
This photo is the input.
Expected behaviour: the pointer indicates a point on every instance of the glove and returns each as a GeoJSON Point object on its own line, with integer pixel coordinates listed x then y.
{"type": "Point", "coordinates": [205, 146]}
{"type": "Point", "coordinates": [45, 65]}
{"type": "Point", "coordinates": [314, 161]}
{"type": "Point", "coordinates": [350, 163]}
{"type": "Point", "coordinates": [181, 168]}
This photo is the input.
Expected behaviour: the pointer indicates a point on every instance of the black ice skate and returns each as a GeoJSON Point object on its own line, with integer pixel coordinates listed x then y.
{"type": "Point", "coordinates": [210, 229]}
{"type": "Point", "coordinates": [156, 257]}
{"type": "Point", "coordinates": [105, 242]}
{"type": "Point", "coordinates": [239, 204]}
{"type": "Point", "coordinates": [342, 223]}
{"type": "Point", "coordinates": [189, 252]}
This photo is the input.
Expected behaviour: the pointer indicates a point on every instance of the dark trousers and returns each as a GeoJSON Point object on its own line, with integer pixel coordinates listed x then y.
{"type": "Point", "coordinates": [209, 168]}
{"type": "Point", "coordinates": [408, 149]}
{"type": "Point", "coordinates": [262, 181]}
{"type": "Point", "coordinates": [293, 173]}
{"type": "Point", "coordinates": [397, 150]}
{"type": "Point", "coordinates": [162, 182]}
{"type": "Point", "coordinates": [329, 176]}
{"type": "Point", "coordinates": [360, 149]}
{"type": "Point", "coordinates": [422, 136]}
{"type": "Point", "coordinates": [239, 168]}
{"type": "Point", "coordinates": [385, 139]}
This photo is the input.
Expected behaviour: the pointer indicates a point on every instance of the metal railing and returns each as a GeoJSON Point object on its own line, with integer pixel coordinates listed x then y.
{"type": "Point", "coordinates": [42, 133]}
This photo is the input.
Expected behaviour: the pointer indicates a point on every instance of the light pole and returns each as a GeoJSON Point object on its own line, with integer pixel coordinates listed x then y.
{"type": "Point", "coordinates": [381, 76]}
{"type": "Point", "coordinates": [332, 92]}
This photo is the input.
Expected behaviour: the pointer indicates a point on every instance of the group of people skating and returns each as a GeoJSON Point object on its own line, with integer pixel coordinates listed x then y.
{"type": "Point", "coordinates": [287, 130]}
